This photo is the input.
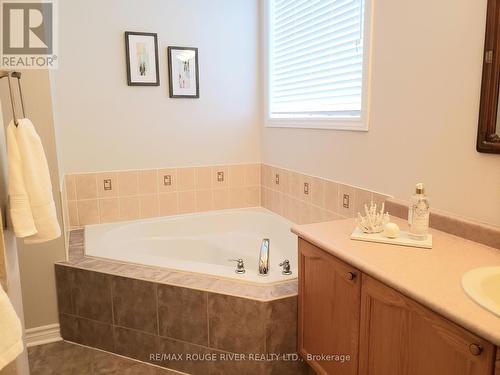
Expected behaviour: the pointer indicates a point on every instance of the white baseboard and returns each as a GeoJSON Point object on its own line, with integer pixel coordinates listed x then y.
{"type": "Point", "coordinates": [42, 335]}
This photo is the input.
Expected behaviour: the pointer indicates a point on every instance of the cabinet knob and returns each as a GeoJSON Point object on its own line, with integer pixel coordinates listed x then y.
{"type": "Point", "coordinates": [351, 275]}
{"type": "Point", "coordinates": [475, 349]}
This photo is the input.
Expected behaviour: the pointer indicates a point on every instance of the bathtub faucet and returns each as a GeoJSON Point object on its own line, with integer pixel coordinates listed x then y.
{"type": "Point", "coordinates": [264, 257]}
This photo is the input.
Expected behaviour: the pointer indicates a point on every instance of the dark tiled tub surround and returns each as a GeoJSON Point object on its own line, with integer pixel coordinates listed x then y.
{"type": "Point", "coordinates": [134, 311]}
{"type": "Point", "coordinates": [67, 358]}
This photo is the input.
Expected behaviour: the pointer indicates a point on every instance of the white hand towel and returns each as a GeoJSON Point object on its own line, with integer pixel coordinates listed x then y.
{"type": "Point", "coordinates": [32, 207]}
{"type": "Point", "coordinates": [11, 336]}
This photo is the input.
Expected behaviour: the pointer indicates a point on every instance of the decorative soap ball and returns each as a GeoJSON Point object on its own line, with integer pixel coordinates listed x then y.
{"type": "Point", "coordinates": [391, 230]}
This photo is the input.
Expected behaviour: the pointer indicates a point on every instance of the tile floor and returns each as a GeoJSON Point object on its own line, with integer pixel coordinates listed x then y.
{"type": "Point", "coordinates": [64, 358]}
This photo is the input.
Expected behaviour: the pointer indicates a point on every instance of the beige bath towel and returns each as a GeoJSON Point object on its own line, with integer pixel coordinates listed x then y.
{"type": "Point", "coordinates": [11, 341]}
{"type": "Point", "coordinates": [32, 207]}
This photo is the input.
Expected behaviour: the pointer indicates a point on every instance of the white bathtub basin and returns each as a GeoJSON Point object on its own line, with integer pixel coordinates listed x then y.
{"type": "Point", "coordinates": [200, 242]}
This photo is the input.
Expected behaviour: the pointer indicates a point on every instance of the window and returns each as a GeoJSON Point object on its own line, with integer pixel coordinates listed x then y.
{"type": "Point", "coordinates": [317, 63]}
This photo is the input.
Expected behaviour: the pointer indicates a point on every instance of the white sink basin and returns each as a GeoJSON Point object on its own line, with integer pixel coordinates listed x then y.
{"type": "Point", "coordinates": [483, 286]}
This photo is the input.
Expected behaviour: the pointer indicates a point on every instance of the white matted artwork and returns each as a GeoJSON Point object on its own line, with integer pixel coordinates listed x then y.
{"type": "Point", "coordinates": [142, 59]}
{"type": "Point", "coordinates": [183, 72]}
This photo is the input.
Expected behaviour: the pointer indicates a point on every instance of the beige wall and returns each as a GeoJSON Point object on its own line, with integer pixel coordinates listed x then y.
{"type": "Point", "coordinates": [427, 58]}
{"type": "Point", "coordinates": [36, 262]}
{"type": "Point", "coordinates": [103, 124]}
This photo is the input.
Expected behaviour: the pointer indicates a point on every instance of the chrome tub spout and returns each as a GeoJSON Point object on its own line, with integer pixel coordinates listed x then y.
{"type": "Point", "coordinates": [264, 257]}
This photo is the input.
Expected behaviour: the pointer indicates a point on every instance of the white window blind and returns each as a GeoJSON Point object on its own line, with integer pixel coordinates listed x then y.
{"type": "Point", "coordinates": [315, 59]}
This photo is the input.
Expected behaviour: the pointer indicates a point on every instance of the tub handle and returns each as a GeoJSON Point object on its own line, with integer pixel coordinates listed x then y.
{"type": "Point", "coordinates": [240, 265]}
{"type": "Point", "coordinates": [286, 267]}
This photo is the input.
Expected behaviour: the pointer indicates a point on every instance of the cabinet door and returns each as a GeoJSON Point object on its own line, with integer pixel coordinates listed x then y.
{"type": "Point", "coordinates": [329, 305]}
{"type": "Point", "coordinates": [401, 337]}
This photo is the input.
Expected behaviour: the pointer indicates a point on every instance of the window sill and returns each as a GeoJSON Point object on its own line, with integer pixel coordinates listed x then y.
{"type": "Point", "coordinates": [321, 124]}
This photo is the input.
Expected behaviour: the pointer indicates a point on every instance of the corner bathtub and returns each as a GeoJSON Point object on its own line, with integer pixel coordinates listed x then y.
{"type": "Point", "coordinates": [200, 243]}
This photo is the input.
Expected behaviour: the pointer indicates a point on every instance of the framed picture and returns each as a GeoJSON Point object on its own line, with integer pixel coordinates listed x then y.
{"type": "Point", "coordinates": [142, 59]}
{"type": "Point", "coordinates": [183, 72]}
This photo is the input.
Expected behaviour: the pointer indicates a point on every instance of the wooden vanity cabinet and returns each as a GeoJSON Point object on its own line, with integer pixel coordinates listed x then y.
{"type": "Point", "coordinates": [401, 337]}
{"type": "Point", "coordinates": [339, 307]}
{"type": "Point", "coordinates": [329, 307]}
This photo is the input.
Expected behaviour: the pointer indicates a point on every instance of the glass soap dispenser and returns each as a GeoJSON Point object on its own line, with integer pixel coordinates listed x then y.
{"type": "Point", "coordinates": [418, 214]}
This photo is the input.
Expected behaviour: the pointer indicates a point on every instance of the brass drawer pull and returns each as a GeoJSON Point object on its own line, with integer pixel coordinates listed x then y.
{"type": "Point", "coordinates": [475, 349]}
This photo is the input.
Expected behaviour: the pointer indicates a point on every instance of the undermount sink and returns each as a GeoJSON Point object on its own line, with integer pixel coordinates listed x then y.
{"type": "Point", "coordinates": [483, 286]}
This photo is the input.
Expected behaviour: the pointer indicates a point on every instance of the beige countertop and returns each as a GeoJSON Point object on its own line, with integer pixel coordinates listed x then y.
{"type": "Point", "coordinates": [429, 276]}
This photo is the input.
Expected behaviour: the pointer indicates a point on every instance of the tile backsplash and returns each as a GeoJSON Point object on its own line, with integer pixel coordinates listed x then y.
{"type": "Point", "coordinates": [305, 199]}
{"type": "Point", "coordinates": [112, 196]}
{"type": "Point", "coordinates": [127, 195]}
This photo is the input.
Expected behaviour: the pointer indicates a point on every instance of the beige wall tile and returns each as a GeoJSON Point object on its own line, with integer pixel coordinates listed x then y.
{"type": "Point", "coordinates": [305, 213]}
{"type": "Point", "coordinates": [236, 176]}
{"type": "Point", "coordinates": [284, 181]}
{"type": "Point", "coordinates": [187, 201]}
{"type": "Point", "coordinates": [129, 208]}
{"type": "Point", "coordinates": [221, 199]}
{"type": "Point", "coordinates": [237, 197]}
{"type": "Point", "coordinates": [296, 185]}
{"type": "Point", "coordinates": [252, 174]}
{"type": "Point", "coordinates": [253, 196]}
{"type": "Point", "coordinates": [204, 200]}
{"type": "Point", "coordinates": [86, 186]}
{"type": "Point", "coordinates": [216, 184]}
{"type": "Point", "coordinates": [185, 179]}
{"type": "Point", "coordinates": [168, 204]}
{"type": "Point", "coordinates": [101, 177]}
{"type": "Point", "coordinates": [317, 191]}
{"type": "Point", "coordinates": [128, 183]}
{"type": "Point", "coordinates": [70, 182]}
{"type": "Point", "coordinates": [331, 196]}
{"type": "Point", "coordinates": [379, 199]}
{"type": "Point", "coordinates": [109, 209]}
{"type": "Point", "coordinates": [265, 198]}
{"type": "Point", "coordinates": [294, 210]}
{"type": "Point", "coordinates": [73, 214]}
{"type": "Point", "coordinates": [203, 178]}
{"type": "Point", "coordinates": [162, 174]}
{"type": "Point", "coordinates": [149, 205]}
{"type": "Point", "coordinates": [362, 197]}
{"type": "Point", "coordinates": [267, 179]}
{"type": "Point", "coordinates": [88, 212]}
{"type": "Point", "coordinates": [148, 182]}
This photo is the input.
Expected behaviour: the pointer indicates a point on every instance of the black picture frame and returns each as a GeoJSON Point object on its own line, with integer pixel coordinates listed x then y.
{"type": "Point", "coordinates": [172, 49]}
{"type": "Point", "coordinates": [130, 81]}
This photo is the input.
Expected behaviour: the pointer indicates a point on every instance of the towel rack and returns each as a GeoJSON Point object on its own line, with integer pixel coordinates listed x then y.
{"type": "Point", "coordinates": [10, 75]}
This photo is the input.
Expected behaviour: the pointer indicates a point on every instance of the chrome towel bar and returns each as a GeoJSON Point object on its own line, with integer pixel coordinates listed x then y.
{"type": "Point", "coordinates": [10, 75]}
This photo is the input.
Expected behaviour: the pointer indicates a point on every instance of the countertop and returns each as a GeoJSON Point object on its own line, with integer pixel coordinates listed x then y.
{"type": "Point", "coordinates": [431, 277]}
